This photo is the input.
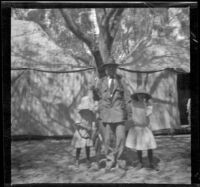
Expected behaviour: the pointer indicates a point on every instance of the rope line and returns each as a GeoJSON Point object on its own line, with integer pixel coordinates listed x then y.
{"type": "Point", "coordinates": [50, 71]}
{"type": "Point", "coordinates": [154, 71]}
{"type": "Point", "coordinates": [92, 68]}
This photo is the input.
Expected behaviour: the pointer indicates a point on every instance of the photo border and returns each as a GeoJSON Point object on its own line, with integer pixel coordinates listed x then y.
{"type": "Point", "coordinates": [6, 66]}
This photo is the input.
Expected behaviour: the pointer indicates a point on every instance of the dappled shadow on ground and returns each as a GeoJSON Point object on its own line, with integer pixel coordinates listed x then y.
{"type": "Point", "coordinates": [50, 161]}
{"type": "Point", "coordinates": [131, 158]}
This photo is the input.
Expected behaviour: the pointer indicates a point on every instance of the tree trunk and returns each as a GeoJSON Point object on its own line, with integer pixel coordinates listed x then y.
{"type": "Point", "coordinates": [99, 62]}
{"type": "Point", "coordinates": [101, 49]}
{"type": "Point", "coordinates": [104, 45]}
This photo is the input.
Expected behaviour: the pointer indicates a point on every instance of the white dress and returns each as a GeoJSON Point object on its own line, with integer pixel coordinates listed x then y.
{"type": "Point", "coordinates": [140, 137]}
{"type": "Point", "coordinates": [82, 137]}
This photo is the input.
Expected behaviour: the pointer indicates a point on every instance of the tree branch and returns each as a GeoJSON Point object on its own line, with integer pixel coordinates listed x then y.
{"type": "Point", "coordinates": [76, 30]}
{"type": "Point", "coordinates": [115, 21]}
{"type": "Point", "coordinates": [165, 56]}
{"type": "Point", "coordinates": [108, 16]}
{"type": "Point", "coordinates": [141, 44]}
{"type": "Point", "coordinates": [113, 25]}
{"type": "Point", "coordinates": [114, 15]}
{"type": "Point", "coordinates": [80, 58]}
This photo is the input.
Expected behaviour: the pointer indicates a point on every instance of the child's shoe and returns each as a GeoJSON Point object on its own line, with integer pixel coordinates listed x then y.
{"type": "Point", "coordinates": [153, 167]}
{"type": "Point", "coordinates": [94, 166]}
{"type": "Point", "coordinates": [88, 164]}
{"type": "Point", "coordinates": [76, 165]}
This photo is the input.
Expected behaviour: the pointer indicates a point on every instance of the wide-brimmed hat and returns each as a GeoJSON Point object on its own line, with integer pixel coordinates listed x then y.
{"type": "Point", "coordinates": [110, 62]}
{"type": "Point", "coordinates": [141, 92]}
{"type": "Point", "coordinates": [86, 108]}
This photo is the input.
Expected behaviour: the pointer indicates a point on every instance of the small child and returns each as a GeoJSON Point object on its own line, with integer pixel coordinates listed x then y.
{"type": "Point", "coordinates": [140, 137]}
{"type": "Point", "coordinates": [82, 137]}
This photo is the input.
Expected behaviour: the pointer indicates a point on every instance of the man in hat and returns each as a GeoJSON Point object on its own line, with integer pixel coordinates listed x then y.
{"type": "Point", "coordinates": [113, 97]}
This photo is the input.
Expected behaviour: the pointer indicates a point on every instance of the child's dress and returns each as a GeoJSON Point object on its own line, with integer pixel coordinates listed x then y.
{"type": "Point", "coordinates": [82, 137]}
{"type": "Point", "coordinates": [140, 137]}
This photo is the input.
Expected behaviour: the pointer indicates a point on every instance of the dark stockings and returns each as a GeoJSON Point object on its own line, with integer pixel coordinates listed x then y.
{"type": "Point", "coordinates": [78, 152]}
{"type": "Point", "coordinates": [139, 153]}
{"type": "Point", "coordinates": [87, 149]}
{"type": "Point", "coordinates": [150, 156]}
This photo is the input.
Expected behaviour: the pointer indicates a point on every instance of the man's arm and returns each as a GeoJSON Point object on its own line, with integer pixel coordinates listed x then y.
{"type": "Point", "coordinates": [127, 95]}
{"type": "Point", "coordinates": [127, 99]}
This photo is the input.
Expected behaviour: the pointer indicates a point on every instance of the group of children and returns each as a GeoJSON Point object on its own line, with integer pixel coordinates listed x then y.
{"type": "Point", "coordinates": [139, 137]}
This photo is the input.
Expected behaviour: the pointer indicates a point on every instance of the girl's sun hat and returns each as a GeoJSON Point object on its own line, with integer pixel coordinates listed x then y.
{"type": "Point", "coordinates": [142, 93]}
{"type": "Point", "coordinates": [86, 109]}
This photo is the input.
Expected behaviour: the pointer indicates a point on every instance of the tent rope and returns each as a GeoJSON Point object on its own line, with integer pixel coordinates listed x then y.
{"type": "Point", "coordinates": [93, 68]}
{"type": "Point", "coordinates": [154, 71]}
{"type": "Point", "coordinates": [50, 71]}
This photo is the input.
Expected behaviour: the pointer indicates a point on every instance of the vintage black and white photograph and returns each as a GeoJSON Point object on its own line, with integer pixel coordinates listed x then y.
{"type": "Point", "coordinates": [100, 95]}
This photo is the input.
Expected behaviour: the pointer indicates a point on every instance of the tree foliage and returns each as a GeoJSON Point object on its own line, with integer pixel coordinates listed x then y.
{"type": "Point", "coordinates": [92, 35]}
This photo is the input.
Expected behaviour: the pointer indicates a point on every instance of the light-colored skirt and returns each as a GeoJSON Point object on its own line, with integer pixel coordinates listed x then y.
{"type": "Point", "coordinates": [79, 142]}
{"type": "Point", "coordinates": [140, 138]}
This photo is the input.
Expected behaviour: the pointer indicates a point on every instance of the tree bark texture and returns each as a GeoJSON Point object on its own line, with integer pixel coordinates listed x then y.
{"type": "Point", "coordinates": [108, 27]}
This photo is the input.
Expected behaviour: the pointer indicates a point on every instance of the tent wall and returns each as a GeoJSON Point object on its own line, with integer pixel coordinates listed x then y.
{"type": "Point", "coordinates": [46, 104]}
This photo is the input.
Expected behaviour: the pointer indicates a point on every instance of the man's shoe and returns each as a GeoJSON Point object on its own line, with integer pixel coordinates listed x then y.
{"type": "Point", "coordinates": [139, 165]}
{"type": "Point", "coordinates": [76, 165]}
{"type": "Point", "coordinates": [121, 164]}
{"type": "Point", "coordinates": [110, 165]}
{"type": "Point", "coordinates": [95, 166]}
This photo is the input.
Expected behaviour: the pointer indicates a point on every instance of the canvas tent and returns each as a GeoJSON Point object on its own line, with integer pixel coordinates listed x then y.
{"type": "Point", "coordinates": [157, 73]}
{"type": "Point", "coordinates": [45, 103]}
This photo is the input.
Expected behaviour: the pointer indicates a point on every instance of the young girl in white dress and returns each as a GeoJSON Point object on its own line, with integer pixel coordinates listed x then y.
{"type": "Point", "coordinates": [140, 137]}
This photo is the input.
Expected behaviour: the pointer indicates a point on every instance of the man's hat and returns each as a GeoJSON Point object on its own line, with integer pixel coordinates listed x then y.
{"type": "Point", "coordinates": [141, 92]}
{"type": "Point", "coordinates": [110, 62]}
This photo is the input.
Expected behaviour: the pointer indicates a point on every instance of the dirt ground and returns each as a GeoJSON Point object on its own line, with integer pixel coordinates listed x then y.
{"type": "Point", "coordinates": [51, 161]}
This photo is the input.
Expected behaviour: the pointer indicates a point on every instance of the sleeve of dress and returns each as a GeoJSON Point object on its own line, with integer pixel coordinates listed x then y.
{"type": "Point", "coordinates": [149, 110]}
